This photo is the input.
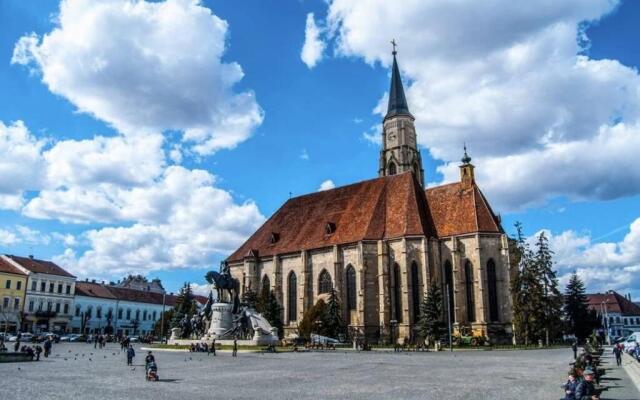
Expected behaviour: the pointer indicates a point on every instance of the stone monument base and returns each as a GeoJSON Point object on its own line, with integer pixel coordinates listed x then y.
{"type": "Point", "coordinates": [221, 320]}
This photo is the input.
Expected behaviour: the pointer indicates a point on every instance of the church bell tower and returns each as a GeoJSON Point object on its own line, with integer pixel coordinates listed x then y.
{"type": "Point", "coordinates": [399, 141]}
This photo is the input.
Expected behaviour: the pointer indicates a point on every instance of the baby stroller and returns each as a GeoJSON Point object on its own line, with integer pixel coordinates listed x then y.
{"type": "Point", "coordinates": [152, 372]}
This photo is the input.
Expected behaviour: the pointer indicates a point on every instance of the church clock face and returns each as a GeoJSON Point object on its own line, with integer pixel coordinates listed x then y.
{"type": "Point", "coordinates": [392, 137]}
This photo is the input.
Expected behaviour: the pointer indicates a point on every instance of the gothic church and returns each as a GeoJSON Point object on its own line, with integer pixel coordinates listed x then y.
{"type": "Point", "coordinates": [381, 243]}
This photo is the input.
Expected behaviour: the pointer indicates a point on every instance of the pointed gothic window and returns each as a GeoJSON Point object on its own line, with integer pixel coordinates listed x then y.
{"type": "Point", "coordinates": [397, 293]}
{"type": "Point", "coordinates": [415, 291]}
{"type": "Point", "coordinates": [351, 287]}
{"type": "Point", "coordinates": [292, 296]}
{"type": "Point", "coordinates": [493, 290]}
{"type": "Point", "coordinates": [468, 278]}
{"type": "Point", "coordinates": [324, 282]}
{"type": "Point", "coordinates": [392, 168]}
{"type": "Point", "coordinates": [448, 281]}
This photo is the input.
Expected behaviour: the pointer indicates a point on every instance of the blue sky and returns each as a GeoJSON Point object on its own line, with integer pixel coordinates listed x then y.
{"type": "Point", "coordinates": [552, 125]}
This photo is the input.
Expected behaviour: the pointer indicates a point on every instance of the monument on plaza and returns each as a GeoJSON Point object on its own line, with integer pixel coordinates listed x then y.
{"type": "Point", "coordinates": [228, 320]}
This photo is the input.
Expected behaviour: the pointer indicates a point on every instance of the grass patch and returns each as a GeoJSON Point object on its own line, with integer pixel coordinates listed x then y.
{"type": "Point", "coordinates": [218, 347]}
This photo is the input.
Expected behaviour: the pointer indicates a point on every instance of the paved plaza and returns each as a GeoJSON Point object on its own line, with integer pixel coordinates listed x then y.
{"type": "Point", "coordinates": [103, 374]}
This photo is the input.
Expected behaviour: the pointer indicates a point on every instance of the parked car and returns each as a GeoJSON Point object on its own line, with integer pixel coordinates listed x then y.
{"type": "Point", "coordinates": [24, 337]}
{"type": "Point", "coordinates": [134, 339]}
{"type": "Point", "coordinates": [41, 337]}
{"type": "Point", "coordinates": [69, 337]}
{"type": "Point", "coordinates": [631, 342]}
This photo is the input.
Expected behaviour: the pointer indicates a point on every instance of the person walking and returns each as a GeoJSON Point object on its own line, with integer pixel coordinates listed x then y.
{"type": "Point", "coordinates": [38, 351]}
{"type": "Point", "coordinates": [235, 347]}
{"type": "Point", "coordinates": [47, 347]}
{"type": "Point", "coordinates": [586, 389]}
{"type": "Point", "coordinates": [574, 347]}
{"type": "Point", "coordinates": [213, 347]}
{"type": "Point", "coordinates": [130, 354]}
{"type": "Point", "coordinates": [95, 341]}
{"type": "Point", "coordinates": [618, 353]}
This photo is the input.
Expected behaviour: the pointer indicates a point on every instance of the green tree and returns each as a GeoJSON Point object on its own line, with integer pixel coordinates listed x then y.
{"type": "Point", "coordinates": [250, 299]}
{"type": "Point", "coordinates": [528, 293]}
{"type": "Point", "coordinates": [332, 323]}
{"type": "Point", "coordinates": [271, 310]}
{"type": "Point", "coordinates": [185, 306]}
{"type": "Point", "coordinates": [312, 320]}
{"type": "Point", "coordinates": [580, 321]}
{"type": "Point", "coordinates": [157, 326]}
{"type": "Point", "coordinates": [552, 301]}
{"type": "Point", "coordinates": [430, 323]}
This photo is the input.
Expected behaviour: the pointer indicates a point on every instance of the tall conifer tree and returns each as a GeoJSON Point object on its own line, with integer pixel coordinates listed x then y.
{"type": "Point", "coordinates": [430, 323]}
{"type": "Point", "coordinates": [579, 321]}
{"type": "Point", "coordinates": [553, 301]}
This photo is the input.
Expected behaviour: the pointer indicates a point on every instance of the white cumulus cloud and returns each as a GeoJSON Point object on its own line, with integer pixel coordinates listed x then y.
{"type": "Point", "coordinates": [22, 166]}
{"type": "Point", "coordinates": [313, 48]}
{"type": "Point", "coordinates": [512, 80]}
{"type": "Point", "coordinates": [146, 67]}
{"type": "Point", "coordinates": [326, 185]}
{"type": "Point", "coordinates": [602, 265]}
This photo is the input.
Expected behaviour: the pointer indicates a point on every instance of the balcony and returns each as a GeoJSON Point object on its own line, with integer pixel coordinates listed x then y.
{"type": "Point", "coordinates": [45, 314]}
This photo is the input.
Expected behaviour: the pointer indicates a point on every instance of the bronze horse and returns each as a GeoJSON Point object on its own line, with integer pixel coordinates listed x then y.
{"type": "Point", "coordinates": [223, 282]}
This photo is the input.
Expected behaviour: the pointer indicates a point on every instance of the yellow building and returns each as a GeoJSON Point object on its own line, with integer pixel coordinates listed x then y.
{"type": "Point", "coordinates": [13, 283]}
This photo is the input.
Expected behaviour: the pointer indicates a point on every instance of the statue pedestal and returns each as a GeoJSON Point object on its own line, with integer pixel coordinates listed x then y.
{"type": "Point", "coordinates": [175, 333]}
{"type": "Point", "coordinates": [221, 320]}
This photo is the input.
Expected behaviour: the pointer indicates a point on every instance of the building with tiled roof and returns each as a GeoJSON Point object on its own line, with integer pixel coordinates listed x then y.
{"type": "Point", "coordinates": [13, 283]}
{"type": "Point", "coordinates": [109, 308]}
{"type": "Point", "coordinates": [49, 294]}
{"type": "Point", "coordinates": [621, 316]}
{"type": "Point", "coordinates": [382, 243]}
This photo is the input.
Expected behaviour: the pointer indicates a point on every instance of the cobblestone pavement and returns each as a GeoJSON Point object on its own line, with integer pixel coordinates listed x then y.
{"type": "Point", "coordinates": [77, 371]}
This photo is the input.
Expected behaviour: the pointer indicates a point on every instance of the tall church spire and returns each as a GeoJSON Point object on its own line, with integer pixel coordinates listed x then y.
{"type": "Point", "coordinates": [397, 100]}
{"type": "Point", "coordinates": [399, 151]}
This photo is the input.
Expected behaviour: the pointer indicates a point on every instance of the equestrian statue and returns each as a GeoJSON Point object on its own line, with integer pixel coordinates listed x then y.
{"type": "Point", "coordinates": [224, 281]}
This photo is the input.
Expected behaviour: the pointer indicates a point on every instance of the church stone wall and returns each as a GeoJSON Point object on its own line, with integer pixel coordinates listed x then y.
{"type": "Point", "coordinates": [369, 295]}
{"type": "Point", "coordinates": [375, 280]}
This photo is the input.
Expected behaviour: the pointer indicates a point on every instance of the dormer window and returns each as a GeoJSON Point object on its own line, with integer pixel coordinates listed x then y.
{"type": "Point", "coordinates": [274, 237]}
{"type": "Point", "coordinates": [329, 228]}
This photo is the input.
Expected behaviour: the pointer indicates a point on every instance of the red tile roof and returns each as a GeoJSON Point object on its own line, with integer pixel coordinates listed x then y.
{"type": "Point", "coordinates": [381, 208]}
{"type": "Point", "coordinates": [40, 266]}
{"type": "Point", "coordinates": [7, 267]}
{"type": "Point", "coordinates": [615, 303]}
{"type": "Point", "coordinates": [457, 210]}
{"type": "Point", "coordinates": [94, 289]}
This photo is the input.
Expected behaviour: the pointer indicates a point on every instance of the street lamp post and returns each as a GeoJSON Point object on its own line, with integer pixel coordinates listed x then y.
{"type": "Point", "coordinates": [449, 317]}
{"type": "Point", "coordinates": [162, 318]}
